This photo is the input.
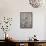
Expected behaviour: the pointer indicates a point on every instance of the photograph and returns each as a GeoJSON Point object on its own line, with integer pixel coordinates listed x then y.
{"type": "Point", "coordinates": [25, 19]}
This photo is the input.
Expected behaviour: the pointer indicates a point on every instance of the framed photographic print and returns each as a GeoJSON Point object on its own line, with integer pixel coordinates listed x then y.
{"type": "Point", "coordinates": [25, 19]}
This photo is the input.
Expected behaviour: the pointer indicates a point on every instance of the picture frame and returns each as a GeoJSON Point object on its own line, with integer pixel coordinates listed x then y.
{"type": "Point", "coordinates": [26, 19]}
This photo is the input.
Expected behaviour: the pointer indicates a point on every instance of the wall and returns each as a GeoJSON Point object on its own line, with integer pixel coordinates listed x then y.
{"type": "Point", "coordinates": [12, 8]}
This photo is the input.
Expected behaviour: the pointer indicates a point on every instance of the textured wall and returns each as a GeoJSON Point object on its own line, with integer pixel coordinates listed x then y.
{"type": "Point", "coordinates": [12, 8]}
